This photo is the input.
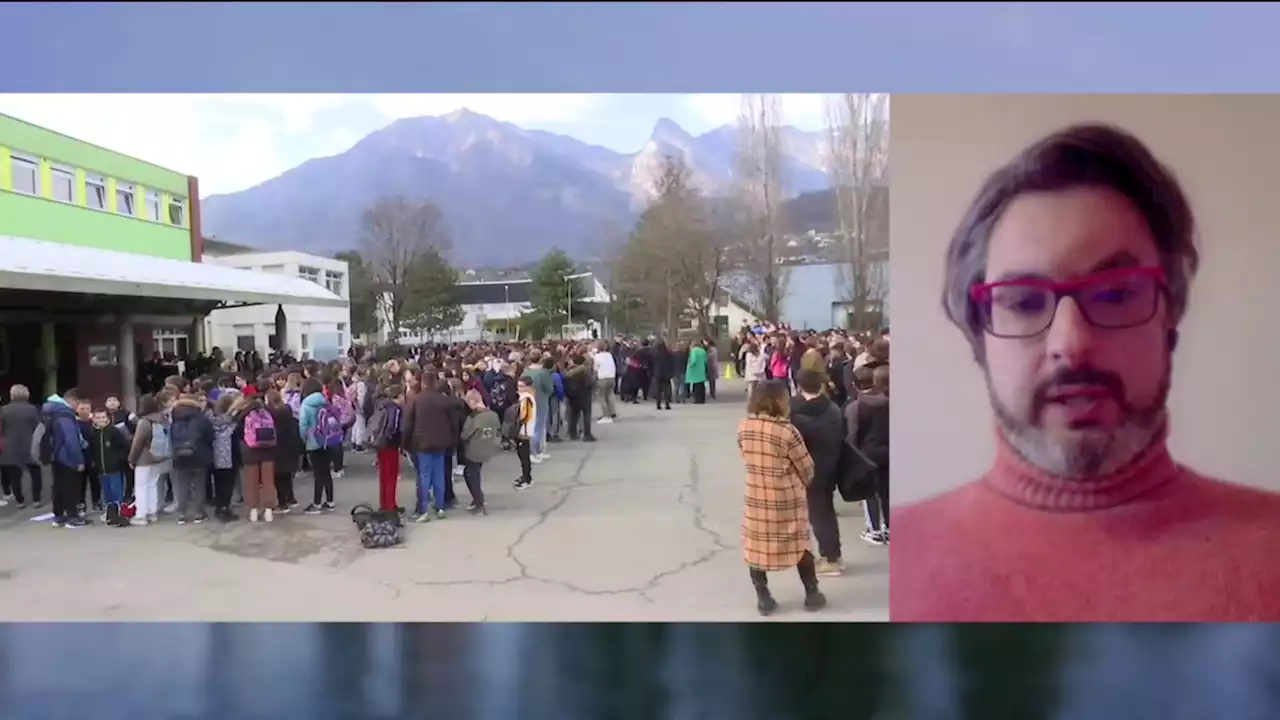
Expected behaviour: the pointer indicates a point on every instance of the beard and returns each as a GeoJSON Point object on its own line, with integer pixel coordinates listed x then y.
{"type": "Point", "coordinates": [1086, 453]}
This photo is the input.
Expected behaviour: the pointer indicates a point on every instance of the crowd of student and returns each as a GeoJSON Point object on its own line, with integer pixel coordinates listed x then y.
{"type": "Point", "coordinates": [817, 424]}
{"type": "Point", "coordinates": [236, 431]}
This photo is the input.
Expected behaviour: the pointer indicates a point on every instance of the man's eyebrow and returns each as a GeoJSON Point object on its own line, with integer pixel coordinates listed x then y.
{"type": "Point", "coordinates": [1114, 261]}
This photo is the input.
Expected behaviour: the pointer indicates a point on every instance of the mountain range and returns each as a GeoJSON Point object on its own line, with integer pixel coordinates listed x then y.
{"type": "Point", "coordinates": [508, 195]}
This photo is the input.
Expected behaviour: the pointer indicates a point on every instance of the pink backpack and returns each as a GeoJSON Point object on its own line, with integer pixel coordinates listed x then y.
{"type": "Point", "coordinates": [259, 430]}
{"type": "Point", "coordinates": [346, 410]}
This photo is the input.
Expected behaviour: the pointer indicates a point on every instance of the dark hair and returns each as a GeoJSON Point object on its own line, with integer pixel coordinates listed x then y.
{"type": "Point", "coordinates": [148, 405]}
{"type": "Point", "coordinates": [811, 381]}
{"type": "Point", "coordinates": [526, 380]}
{"type": "Point", "coordinates": [1086, 155]}
{"type": "Point", "coordinates": [548, 362]}
{"type": "Point", "coordinates": [310, 386]}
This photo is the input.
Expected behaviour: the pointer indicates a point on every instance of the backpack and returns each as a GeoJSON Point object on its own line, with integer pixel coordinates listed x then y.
{"type": "Point", "coordinates": [160, 447]}
{"type": "Point", "coordinates": [511, 422]}
{"type": "Point", "coordinates": [498, 395]}
{"type": "Point", "coordinates": [183, 438]}
{"type": "Point", "coordinates": [384, 425]}
{"type": "Point", "coordinates": [223, 457]}
{"type": "Point", "coordinates": [484, 443]}
{"type": "Point", "coordinates": [328, 432]}
{"type": "Point", "coordinates": [346, 410]}
{"type": "Point", "coordinates": [43, 440]}
{"type": "Point", "coordinates": [378, 528]}
{"type": "Point", "coordinates": [259, 430]}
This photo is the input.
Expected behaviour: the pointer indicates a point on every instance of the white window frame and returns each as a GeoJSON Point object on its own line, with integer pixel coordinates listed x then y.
{"type": "Point", "coordinates": [25, 161]}
{"type": "Point", "coordinates": [61, 172]}
{"type": "Point", "coordinates": [151, 201]}
{"type": "Point", "coordinates": [333, 282]}
{"type": "Point", "coordinates": [312, 274]}
{"type": "Point", "coordinates": [128, 191]}
{"type": "Point", "coordinates": [342, 335]}
{"type": "Point", "coordinates": [180, 205]}
{"type": "Point", "coordinates": [95, 200]}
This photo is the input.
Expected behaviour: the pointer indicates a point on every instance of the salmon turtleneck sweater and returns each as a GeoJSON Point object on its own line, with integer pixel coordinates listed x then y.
{"type": "Point", "coordinates": [1153, 542]}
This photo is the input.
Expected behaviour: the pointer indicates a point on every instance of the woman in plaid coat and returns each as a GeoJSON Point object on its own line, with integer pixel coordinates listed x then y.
{"type": "Point", "coordinates": [775, 524]}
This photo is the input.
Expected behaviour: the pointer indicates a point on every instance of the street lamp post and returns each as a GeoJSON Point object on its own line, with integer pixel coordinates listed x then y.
{"type": "Point", "coordinates": [568, 282]}
{"type": "Point", "coordinates": [506, 292]}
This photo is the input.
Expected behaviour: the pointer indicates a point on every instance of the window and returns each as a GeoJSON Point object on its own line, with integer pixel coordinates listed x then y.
{"type": "Point", "coordinates": [342, 335]}
{"type": "Point", "coordinates": [244, 337]}
{"type": "Point", "coordinates": [333, 282]}
{"type": "Point", "coordinates": [177, 211]}
{"type": "Point", "coordinates": [153, 206]}
{"type": "Point", "coordinates": [64, 185]}
{"type": "Point", "coordinates": [26, 174]}
{"type": "Point", "coordinates": [309, 273]}
{"type": "Point", "coordinates": [306, 337]}
{"type": "Point", "coordinates": [170, 342]}
{"type": "Point", "coordinates": [125, 198]}
{"type": "Point", "coordinates": [95, 192]}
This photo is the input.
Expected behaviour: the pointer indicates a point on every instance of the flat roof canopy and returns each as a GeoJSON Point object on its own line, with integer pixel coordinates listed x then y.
{"type": "Point", "coordinates": [27, 264]}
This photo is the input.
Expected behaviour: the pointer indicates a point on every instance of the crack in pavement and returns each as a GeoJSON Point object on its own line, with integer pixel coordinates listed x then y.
{"type": "Point", "coordinates": [689, 497]}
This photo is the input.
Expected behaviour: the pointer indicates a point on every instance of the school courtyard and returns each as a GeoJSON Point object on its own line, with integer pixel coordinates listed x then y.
{"type": "Point", "coordinates": [640, 526]}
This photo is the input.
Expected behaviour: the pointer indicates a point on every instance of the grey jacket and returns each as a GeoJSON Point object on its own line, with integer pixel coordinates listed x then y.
{"type": "Point", "coordinates": [18, 423]}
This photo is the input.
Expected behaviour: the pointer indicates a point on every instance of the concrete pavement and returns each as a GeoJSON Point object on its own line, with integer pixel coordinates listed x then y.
{"type": "Point", "coordinates": [641, 526]}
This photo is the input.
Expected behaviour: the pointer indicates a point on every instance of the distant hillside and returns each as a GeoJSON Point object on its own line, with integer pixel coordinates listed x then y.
{"type": "Point", "coordinates": [817, 211]}
{"type": "Point", "coordinates": [508, 194]}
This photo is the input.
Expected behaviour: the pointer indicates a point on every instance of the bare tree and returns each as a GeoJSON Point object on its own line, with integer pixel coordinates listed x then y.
{"type": "Point", "coordinates": [675, 260]}
{"type": "Point", "coordinates": [858, 161]}
{"type": "Point", "coordinates": [398, 236]}
{"type": "Point", "coordinates": [761, 191]}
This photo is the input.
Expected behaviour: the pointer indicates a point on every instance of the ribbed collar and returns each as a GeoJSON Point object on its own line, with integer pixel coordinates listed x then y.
{"type": "Point", "coordinates": [1019, 480]}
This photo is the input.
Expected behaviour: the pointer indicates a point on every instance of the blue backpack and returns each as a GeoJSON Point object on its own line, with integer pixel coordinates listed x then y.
{"type": "Point", "coordinates": [328, 432]}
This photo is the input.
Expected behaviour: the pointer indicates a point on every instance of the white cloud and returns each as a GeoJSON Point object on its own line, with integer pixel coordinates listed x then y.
{"type": "Point", "coordinates": [804, 111]}
{"type": "Point", "coordinates": [232, 142]}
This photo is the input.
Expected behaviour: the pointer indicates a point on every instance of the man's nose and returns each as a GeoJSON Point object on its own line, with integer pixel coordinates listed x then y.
{"type": "Point", "coordinates": [1071, 336]}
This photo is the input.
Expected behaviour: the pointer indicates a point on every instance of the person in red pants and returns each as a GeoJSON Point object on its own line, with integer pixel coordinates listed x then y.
{"type": "Point", "coordinates": [384, 434]}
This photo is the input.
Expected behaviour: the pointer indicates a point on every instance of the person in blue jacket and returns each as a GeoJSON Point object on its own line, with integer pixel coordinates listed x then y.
{"type": "Point", "coordinates": [556, 420]}
{"type": "Point", "coordinates": [321, 458]}
{"type": "Point", "coordinates": [66, 449]}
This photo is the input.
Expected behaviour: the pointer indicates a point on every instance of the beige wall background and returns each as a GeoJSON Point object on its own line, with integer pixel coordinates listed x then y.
{"type": "Point", "coordinates": [1225, 149]}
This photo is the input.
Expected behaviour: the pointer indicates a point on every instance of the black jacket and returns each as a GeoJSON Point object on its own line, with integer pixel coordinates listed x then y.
{"type": "Point", "coordinates": [869, 427]}
{"type": "Point", "coordinates": [108, 450]}
{"type": "Point", "coordinates": [289, 445]}
{"type": "Point", "coordinates": [189, 411]}
{"type": "Point", "coordinates": [822, 427]}
{"type": "Point", "coordinates": [663, 363]}
{"type": "Point", "coordinates": [578, 385]}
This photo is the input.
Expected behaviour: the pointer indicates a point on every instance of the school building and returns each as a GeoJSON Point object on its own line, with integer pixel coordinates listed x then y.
{"type": "Point", "coordinates": [101, 254]}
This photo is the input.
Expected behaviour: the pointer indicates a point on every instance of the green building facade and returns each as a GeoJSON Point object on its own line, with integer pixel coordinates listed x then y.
{"type": "Point", "coordinates": [59, 189]}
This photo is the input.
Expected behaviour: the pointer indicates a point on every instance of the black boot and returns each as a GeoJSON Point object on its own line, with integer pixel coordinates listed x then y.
{"type": "Point", "coordinates": [764, 599]}
{"type": "Point", "coordinates": [813, 599]}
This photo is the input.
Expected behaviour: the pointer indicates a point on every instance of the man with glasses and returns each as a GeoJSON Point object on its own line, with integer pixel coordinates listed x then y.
{"type": "Point", "coordinates": [1069, 276]}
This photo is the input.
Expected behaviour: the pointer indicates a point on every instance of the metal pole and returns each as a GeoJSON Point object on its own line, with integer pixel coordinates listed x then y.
{"type": "Point", "coordinates": [506, 291]}
{"type": "Point", "coordinates": [569, 290]}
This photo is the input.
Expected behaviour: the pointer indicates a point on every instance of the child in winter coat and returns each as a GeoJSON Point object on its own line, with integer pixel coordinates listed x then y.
{"type": "Point", "coordinates": [108, 457]}
{"type": "Point", "coordinates": [225, 467]}
{"type": "Point", "coordinates": [481, 440]}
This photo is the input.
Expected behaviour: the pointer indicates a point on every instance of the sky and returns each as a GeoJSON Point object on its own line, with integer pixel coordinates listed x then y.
{"type": "Point", "coordinates": [233, 142]}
